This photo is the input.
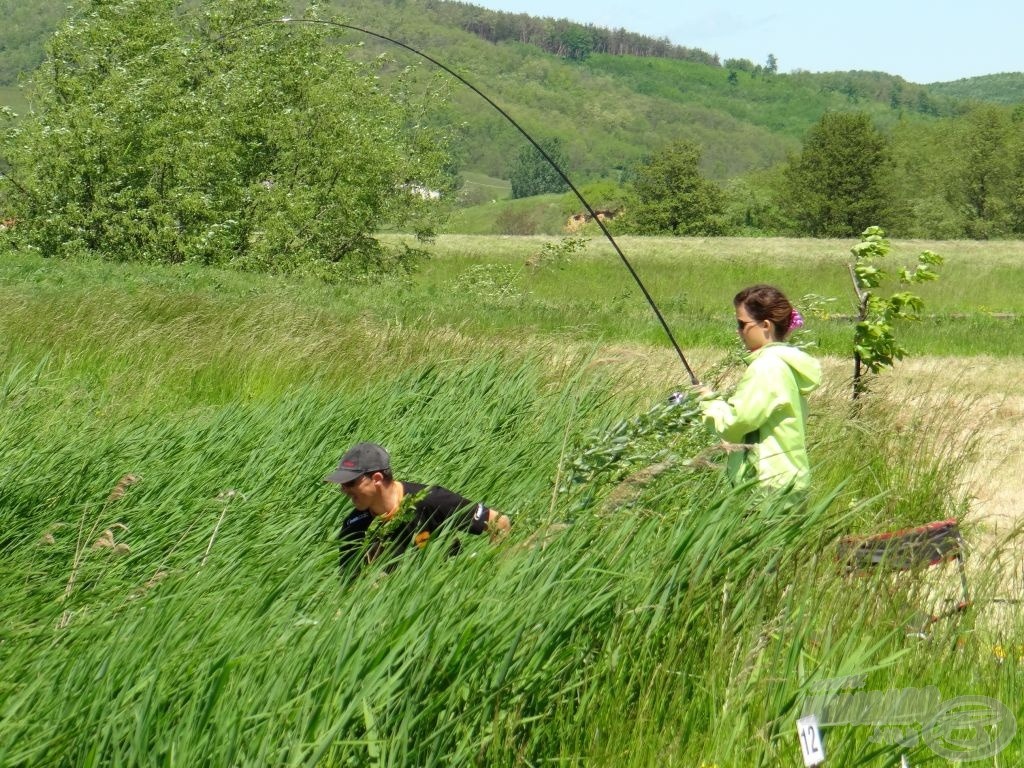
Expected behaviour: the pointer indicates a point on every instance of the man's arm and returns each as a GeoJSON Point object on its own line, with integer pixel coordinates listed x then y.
{"type": "Point", "coordinates": [477, 518]}
{"type": "Point", "coordinates": [490, 520]}
{"type": "Point", "coordinates": [497, 524]}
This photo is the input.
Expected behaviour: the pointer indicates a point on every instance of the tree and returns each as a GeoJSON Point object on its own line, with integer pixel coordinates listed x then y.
{"type": "Point", "coordinates": [530, 174]}
{"type": "Point", "coordinates": [161, 134]}
{"type": "Point", "coordinates": [982, 177]}
{"type": "Point", "coordinates": [739, 65]}
{"type": "Point", "coordinates": [841, 181]}
{"type": "Point", "coordinates": [672, 197]}
{"type": "Point", "coordinates": [574, 42]}
{"type": "Point", "coordinates": [1016, 203]}
{"type": "Point", "coordinates": [874, 340]}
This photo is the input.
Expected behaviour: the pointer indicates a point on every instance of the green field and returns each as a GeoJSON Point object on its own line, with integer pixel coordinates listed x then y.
{"type": "Point", "coordinates": [976, 305]}
{"type": "Point", "coordinates": [632, 617]}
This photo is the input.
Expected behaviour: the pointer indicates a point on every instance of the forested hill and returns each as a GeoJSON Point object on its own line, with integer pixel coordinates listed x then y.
{"type": "Point", "coordinates": [28, 23]}
{"type": "Point", "coordinates": [560, 37]}
{"type": "Point", "coordinates": [612, 95]}
{"type": "Point", "coordinates": [1002, 88]}
{"type": "Point", "coordinates": [611, 110]}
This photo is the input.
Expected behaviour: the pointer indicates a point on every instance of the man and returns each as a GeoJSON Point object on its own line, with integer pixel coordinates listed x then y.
{"type": "Point", "coordinates": [391, 515]}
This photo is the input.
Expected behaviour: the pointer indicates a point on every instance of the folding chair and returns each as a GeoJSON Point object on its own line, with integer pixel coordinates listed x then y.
{"type": "Point", "coordinates": [911, 549]}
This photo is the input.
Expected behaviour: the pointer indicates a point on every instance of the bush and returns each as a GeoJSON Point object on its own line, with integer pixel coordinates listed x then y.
{"type": "Point", "coordinates": [159, 136]}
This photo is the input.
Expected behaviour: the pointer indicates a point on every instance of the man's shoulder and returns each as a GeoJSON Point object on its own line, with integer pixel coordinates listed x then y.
{"type": "Point", "coordinates": [434, 500]}
{"type": "Point", "coordinates": [436, 504]}
{"type": "Point", "coordinates": [433, 495]}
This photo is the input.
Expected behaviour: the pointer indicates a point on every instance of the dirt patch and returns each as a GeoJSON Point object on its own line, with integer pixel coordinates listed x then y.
{"type": "Point", "coordinates": [988, 394]}
{"type": "Point", "coordinates": [979, 403]}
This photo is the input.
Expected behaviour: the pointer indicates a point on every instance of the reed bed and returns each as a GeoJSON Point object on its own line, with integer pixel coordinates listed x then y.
{"type": "Point", "coordinates": [171, 595]}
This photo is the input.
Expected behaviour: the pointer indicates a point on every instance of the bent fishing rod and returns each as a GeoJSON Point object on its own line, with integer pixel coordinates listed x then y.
{"type": "Point", "coordinates": [529, 138]}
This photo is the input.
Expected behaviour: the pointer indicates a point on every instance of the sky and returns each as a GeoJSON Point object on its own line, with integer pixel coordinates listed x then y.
{"type": "Point", "coordinates": [923, 41]}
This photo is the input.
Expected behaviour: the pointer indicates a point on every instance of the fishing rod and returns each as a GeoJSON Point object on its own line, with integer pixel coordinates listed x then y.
{"type": "Point", "coordinates": [529, 138]}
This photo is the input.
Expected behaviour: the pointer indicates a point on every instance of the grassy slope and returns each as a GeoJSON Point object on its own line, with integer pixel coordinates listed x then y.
{"type": "Point", "coordinates": [479, 188]}
{"type": "Point", "coordinates": [221, 635]}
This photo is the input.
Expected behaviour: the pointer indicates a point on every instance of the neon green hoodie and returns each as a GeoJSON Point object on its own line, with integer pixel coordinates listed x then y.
{"type": "Point", "coordinates": [768, 414]}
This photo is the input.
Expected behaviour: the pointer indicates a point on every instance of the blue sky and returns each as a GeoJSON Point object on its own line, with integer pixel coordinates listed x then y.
{"type": "Point", "coordinates": [922, 41]}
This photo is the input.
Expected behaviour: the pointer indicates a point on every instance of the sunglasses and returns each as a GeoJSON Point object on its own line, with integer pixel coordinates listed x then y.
{"type": "Point", "coordinates": [741, 325]}
{"type": "Point", "coordinates": [352, 483]}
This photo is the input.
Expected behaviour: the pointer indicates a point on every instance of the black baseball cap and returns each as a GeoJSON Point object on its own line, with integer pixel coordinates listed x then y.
{"type": "Point", "coordinates": [359, 460]}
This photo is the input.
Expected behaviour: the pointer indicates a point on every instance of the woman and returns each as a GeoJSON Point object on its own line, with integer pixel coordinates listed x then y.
{"type": "Point", "coordinates": [766, 416]}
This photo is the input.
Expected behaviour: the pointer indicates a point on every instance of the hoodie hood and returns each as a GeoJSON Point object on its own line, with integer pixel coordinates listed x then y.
{"type": "Point", "coordinates": [806, 370]}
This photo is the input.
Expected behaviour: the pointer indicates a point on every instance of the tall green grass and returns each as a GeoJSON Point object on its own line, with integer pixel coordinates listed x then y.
{"type": "Point", "coordinates": [642, 617]}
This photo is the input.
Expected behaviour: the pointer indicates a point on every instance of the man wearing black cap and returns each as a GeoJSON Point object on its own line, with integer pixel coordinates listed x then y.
{"type": "Point", "coordinates": [406, 513]}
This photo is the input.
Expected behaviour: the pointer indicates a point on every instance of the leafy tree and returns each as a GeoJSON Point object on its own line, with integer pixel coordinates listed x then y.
{"type": "Point", "coordinates": [921, 153]}
{"type": "Point", "coordinates": [739, 65]}
{"type": "Point", "coordinates": [672, 197]}
{"type": "Point", "coordinates": [1016, 203]}
{"type": "Point", "coordinates": [749, 207]}
{"type": "Point", "coordinates": [161, 133]}
{"type": "Point", "coordinates": [981, 175]}
{"type": "Point", "coordinates": [841, 180]}
{"type": "Point", "coordinates": [572, 41]}
{"type": "Point", "coordinates": [530, 174]}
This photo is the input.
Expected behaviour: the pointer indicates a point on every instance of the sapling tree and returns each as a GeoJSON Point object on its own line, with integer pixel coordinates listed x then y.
{"type": "Point", "coordinates": [874, 339]}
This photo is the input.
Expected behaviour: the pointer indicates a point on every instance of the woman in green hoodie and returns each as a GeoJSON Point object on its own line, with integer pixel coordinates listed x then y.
{"type": "Point", "coordinates": [765, 419]}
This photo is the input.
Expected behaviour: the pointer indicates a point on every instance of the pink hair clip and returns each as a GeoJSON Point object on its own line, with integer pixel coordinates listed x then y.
{"type": "Point", "coordinates": [796, 320]}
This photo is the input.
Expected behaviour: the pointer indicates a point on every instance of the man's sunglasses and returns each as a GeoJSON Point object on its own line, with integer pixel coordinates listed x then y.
{"type": "Point", "coordinates": [352, 483]}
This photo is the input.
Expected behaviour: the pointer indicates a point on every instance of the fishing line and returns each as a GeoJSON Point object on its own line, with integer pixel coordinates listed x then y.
{"type": "Point", "coordinates": [538, 147]}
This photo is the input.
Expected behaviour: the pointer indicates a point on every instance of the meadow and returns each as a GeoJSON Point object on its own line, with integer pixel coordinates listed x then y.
{"type": "Point", "coordinates": [170, 592]}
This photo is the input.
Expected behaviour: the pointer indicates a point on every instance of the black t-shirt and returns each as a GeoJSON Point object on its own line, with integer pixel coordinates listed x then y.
{"type": "Point", "coordinates": [431, 506]}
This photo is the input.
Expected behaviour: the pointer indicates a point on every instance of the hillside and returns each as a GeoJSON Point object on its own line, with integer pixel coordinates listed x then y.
{"type": "Point", "coordinates": [1003, 88]}
{"type": "Point", "coordinates": [610, 110]}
